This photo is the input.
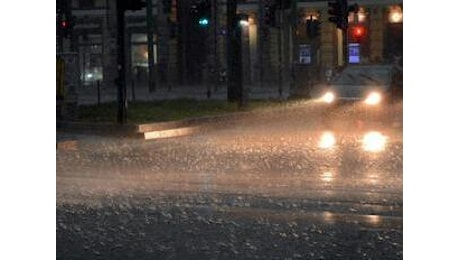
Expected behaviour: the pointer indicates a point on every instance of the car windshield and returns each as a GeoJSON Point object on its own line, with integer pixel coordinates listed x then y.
{"type": "Point", "coordinates": [364, 76]}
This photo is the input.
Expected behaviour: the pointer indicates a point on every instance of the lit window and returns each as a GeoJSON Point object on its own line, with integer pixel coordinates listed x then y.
{"type": "Point", "coordinates": [358, 17]}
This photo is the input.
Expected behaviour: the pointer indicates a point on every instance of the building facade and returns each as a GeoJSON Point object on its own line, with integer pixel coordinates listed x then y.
{"type": "Point", "coordinates": [285, 45]}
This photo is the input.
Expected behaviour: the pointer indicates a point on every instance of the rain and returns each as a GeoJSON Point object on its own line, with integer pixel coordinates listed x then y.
{"type": "Point", "coordinates": [263, 186]}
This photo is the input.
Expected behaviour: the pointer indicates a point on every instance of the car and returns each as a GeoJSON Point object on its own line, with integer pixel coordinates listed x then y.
{"type": "Point", "coordinates": [370, 84]}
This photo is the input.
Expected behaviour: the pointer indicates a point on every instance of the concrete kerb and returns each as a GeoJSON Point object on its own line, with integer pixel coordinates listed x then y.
{"type": "Point", "coordinates": [147, 131]}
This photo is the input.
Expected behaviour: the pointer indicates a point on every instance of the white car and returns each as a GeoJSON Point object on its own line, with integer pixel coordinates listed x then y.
{"type": "Point", "coordinates": [371, 84]}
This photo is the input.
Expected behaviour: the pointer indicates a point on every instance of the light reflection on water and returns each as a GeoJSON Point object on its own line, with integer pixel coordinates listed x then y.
{"type": "Point", "coordinates": [374, 220]}
{"type": "Point", "coordinates": [328, 217]}
{"type": "Point", "coordinates": [327, 176]}
{"type": "Point", "coordinates": [374, 142]}
{"type": "Point", "coordinates": [327, 140]}
{"type": "Point", "coordinates": [373, 178]}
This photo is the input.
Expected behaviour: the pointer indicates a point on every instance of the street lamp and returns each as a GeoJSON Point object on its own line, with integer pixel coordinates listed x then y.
{"type": "Point", "coordinates": [395, 15]}
{"type": "Point", "coordinates": [243, 20]}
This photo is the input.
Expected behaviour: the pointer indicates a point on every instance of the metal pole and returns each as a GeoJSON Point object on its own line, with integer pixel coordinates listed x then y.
{"type": "Point", "coordinates": [280, 51]}
{"type": "Point", "coordinates": [231, 50]}
{"type": "Point", "coordinates": [98, 84]}
{"type": "Point", "coordinates": [151, 61]}
{"type": "Point", "coordinates": [133, 90]}
{"type": "Point", "coordinates": [260, 42]}
{"type": "Point", "coordinates": [122, 101]}
{"type": "Point", "coordinates": [345, 46]}
{"type": "Point", "coordinates": [216, 60]}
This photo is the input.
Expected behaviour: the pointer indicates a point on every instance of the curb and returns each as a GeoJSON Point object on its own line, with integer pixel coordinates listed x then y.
{"type": "Point", "coordinates": [148, 131]}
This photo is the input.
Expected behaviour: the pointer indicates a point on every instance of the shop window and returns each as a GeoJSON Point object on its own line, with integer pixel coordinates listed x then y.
{"type": "Point", "coordinates": [91, 66]}
{"type": "Point", "coordinates": [140, 55]}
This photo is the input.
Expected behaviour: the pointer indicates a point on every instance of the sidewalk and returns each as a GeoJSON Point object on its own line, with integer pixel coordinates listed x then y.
{"type": "Point", "coordinates": [70, 132]}
{"type": "Point", "coordinates": [88, 95]}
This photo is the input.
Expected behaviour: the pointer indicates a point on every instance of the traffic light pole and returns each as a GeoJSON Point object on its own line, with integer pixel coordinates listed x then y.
{"type": "Point", "coordinates": [151, 61]}
{"type": "Point", "coordinates": [121, 80]}
{"type": "Point", "coordinates": [280, 50]}
{"type": "Point", "coordinates": [345, 46]}
{"type": "Point", "coordinates": [234, 87]}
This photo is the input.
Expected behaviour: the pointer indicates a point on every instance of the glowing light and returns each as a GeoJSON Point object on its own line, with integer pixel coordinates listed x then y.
{"type": "Point", "coordinates": [149, 135]}
{"type": "Point", "coordinates": [374, 142]}
{"type": "Point", "coordinates": [373, 98]}
{"type": "Point", "coordinates": [327, 177]}
{"type": "Point", "coordinates": [328, 97]}
{"type": "Point", "coordinates": [328, 217]}
{"type": "Point", "coordinates": [373, 179]}
{"type": "Point", "coordinates": [244, 23]}
{"type": "Point", "coordinates": [203, 21]}
{"type": "Point", "coordinates": [358, 31]}
{"type": "Point", "coordinates": [373, 219]}
{"type": "Point", "coordinates": [327, 140]}
{"type": "Point", "coordinates": [395, 15]}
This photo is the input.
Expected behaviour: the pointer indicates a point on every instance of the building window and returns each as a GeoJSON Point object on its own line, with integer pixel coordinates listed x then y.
{"type": "Point", "coordinates": [359, 17]}
{"type": "Point", "coordinates": [139, 50]}
{"type": "Point", "coordinates": [90, 51]}
{"type": "Point", "coordinates": [140, 55]}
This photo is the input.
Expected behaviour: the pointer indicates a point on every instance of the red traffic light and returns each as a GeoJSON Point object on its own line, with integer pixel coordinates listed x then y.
{"type": "Point", "coordinates": [64, 23]}
{"type": "Point", "coordinates": [358, 31]}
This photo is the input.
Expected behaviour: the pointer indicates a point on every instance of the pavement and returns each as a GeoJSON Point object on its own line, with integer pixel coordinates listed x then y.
{"type": "Point", "coordinates": [89, 94]}
{"type": "Point", "coordinates": [70, 134]}
{"type": "Point", "coordinates": [75, 134]}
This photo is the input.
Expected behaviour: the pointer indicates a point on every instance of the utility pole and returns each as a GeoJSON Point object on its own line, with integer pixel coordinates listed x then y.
{"type": "Point", "coordinates": [151, 61]}
{"type": "Point", "coordinates": [280, 50]}
{"type": "Point", "coordinates": [121, 80]}
{"type": "Point", "coordinates": [214, 24]}
{"type": "Point", "coordinates": [234, 78]}
{"type": "Point", "coordinates": [121, 7]}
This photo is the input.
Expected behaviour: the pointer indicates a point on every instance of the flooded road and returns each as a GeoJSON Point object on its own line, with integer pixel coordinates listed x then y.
{"type": "Point", "coordinates": [301, 182]}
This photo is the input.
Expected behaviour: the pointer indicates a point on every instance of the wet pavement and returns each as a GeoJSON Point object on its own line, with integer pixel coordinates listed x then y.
{"type": "Point", "coordinates": [302, 182]}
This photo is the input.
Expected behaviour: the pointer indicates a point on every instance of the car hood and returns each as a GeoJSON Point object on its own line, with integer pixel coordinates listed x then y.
{"type": "Point", "coordinates": [356, 91]}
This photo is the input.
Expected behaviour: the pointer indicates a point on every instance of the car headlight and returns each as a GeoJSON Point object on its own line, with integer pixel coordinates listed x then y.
{"type": "Point", "coordinates": [373, 98]}
{"type": "Point", "coordinates": [329, 97]}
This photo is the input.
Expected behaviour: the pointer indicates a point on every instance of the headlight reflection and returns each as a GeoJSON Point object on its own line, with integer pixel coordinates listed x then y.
{"type": "Point", "coordinates": [374, 220]}
{"type": "Point", "coordinates": [327, 177]}
{"type": "Point", "coordinates": [327, 140]}
{"type": "Point", "coordinates": [374, 142]}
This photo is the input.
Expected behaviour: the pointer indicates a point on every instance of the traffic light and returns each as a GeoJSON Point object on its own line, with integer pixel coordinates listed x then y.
{"type": "Point", "coordinates": [201, 9]}
{"type": "Point", "coordinates": [64, 19]}
{"type": "Point", "coordinates": [353, 8]}
{"type": "Point", "coordinates": [270, 15]}
{"type": "Point", "coordinates": [338, 11]}
{"type": "Point", "coordinates": [313, 28]}
{"type": "Point", "coordinates": [65, 26]}
{"type": "Point", "coordinates": [358, 32]}
{"type": "Point", "coordinates": [131, 5]}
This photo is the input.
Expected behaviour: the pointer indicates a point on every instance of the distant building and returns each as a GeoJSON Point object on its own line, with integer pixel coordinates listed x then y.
{"type": "Point", "coordinates": [281, 47]}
